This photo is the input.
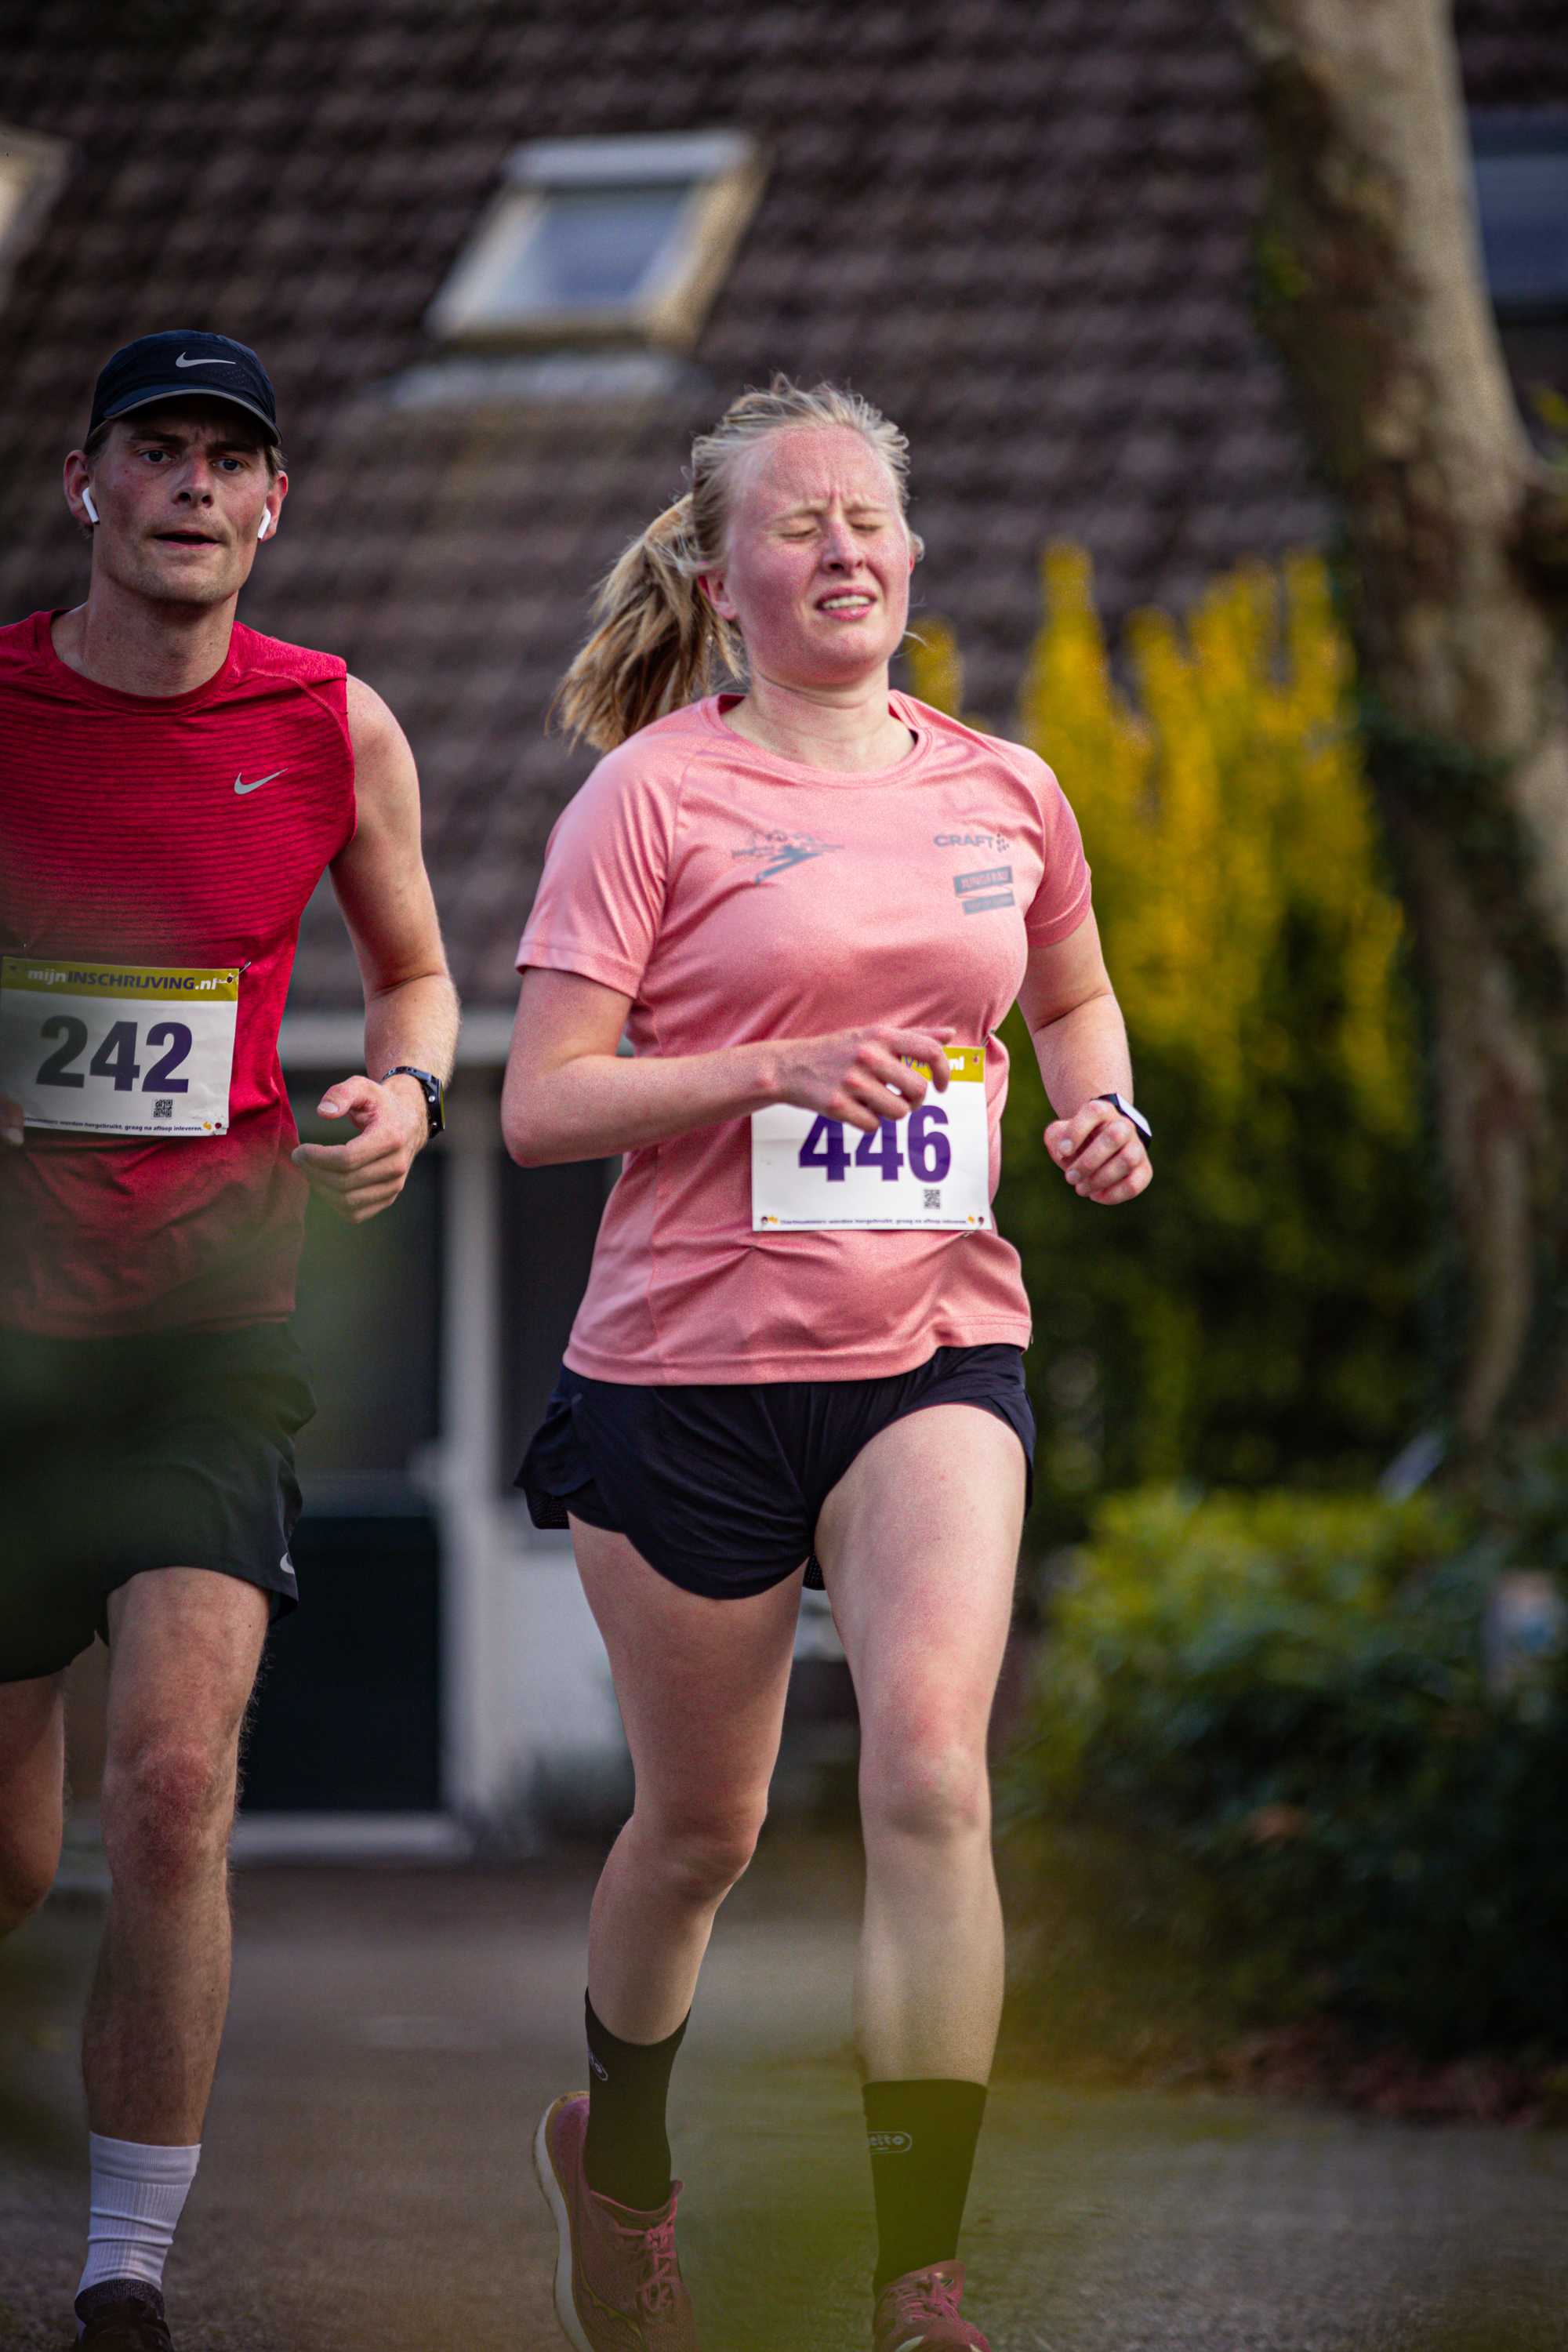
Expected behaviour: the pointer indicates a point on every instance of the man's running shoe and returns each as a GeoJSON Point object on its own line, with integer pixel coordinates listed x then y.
{"type": "Point", "coordinates": [123, 2315]}
{"type": "Point", "coordinates": [922, 2308]}
{"type": "Point", "coordinates": [619, 2287]}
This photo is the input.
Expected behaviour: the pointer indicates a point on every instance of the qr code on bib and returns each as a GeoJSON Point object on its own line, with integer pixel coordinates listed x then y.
{"type": "Point", "coordinates": [933, 1200]}
{"type": "Point", "coordinates": [164, 1107]}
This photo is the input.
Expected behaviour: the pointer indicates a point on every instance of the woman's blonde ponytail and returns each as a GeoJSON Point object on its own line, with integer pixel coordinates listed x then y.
{"type": "Point", "coordinates": [658, 642]}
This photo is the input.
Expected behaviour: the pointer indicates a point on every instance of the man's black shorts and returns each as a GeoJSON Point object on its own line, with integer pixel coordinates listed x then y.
{"type": "Point", "coordinates": [720, 1487]}
{"type": "Point", "coordinates": [168, 1449]}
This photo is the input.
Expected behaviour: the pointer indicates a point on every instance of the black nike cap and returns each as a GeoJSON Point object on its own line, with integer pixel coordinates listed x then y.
{"type": "Point", "coordinates": [173, 366]}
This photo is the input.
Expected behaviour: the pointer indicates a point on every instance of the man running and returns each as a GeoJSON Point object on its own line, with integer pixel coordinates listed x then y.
{"type": "Point", "coordinates": [172, 787]}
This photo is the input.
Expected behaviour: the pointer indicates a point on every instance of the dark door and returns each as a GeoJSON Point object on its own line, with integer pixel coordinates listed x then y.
{"type": "Point", "coordinates": [348, 1710]}
{"type": "Point", "coordinates": [347, 1715]}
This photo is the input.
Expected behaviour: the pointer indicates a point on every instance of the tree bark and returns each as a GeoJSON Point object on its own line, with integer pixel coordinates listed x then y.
{"type": "Point", "coordinates": [1370, 282]}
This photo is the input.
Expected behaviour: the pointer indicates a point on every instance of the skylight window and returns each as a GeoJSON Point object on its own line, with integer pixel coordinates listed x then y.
{"type": "Point", "coordinates": [1521, 195]}
{"type": "Point", "coordinates": [595, 239]}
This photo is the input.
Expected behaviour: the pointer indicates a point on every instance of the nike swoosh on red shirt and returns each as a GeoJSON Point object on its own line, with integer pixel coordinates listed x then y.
{"type": "Point", "coordinates": [256, 787]}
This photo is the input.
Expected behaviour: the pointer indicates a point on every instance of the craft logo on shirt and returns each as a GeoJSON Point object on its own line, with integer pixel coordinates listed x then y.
{"type": "Point", "coordinates": [997, 843]}
{"type": "Point", "coordinates": [774, 853]}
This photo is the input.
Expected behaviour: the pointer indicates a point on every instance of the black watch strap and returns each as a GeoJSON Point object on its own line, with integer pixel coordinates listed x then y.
{"type": "Point", "coordinates": [1120, 1103]}
{"type": "Point", "coordinates": [430, 1086]}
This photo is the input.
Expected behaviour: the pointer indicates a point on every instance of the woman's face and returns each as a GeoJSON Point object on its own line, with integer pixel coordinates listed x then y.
{"type": "Point", "coordinates": [816, 573]}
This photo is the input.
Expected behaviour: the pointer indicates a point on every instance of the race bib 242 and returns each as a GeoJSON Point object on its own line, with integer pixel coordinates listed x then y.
{"type": "Point", "coordinates": [116, 1049]}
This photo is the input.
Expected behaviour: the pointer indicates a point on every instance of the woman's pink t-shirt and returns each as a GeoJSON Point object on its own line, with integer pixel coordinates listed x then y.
{"type": "Point", "coordinates": [735, 896]}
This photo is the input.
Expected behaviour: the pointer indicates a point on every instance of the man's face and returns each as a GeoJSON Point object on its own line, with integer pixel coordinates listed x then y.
{"type": "Point", "coordinates": [180, 491]}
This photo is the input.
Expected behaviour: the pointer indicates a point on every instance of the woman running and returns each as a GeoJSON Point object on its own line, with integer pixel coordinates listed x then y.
{"type": "Point", "coordinates": [802, 1339]}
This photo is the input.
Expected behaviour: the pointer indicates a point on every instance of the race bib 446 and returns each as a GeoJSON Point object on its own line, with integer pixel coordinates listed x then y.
{"type": "Point", "coordinates": [930, 1167]}
{"type": "Point", "coordinates": [116, 1049]}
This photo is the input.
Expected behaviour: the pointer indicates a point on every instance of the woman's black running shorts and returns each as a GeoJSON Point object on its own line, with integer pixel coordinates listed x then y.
{"type": "Point", "coordinates": [720, 1487]}
{"type": "Point", "coordinates": [165, 1449]}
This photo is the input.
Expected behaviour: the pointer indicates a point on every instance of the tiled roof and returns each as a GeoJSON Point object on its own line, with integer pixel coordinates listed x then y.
{"type": "Point", "coordinates": [1021, 226]}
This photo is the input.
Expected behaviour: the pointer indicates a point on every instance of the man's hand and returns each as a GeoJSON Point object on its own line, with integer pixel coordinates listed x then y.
{"type": "Point", "coordinates": [1100, 1154]}
{"type": "Point", "coordinates": [11, 1121]}
{"type": "Point", "coordinates": [361, 1177]}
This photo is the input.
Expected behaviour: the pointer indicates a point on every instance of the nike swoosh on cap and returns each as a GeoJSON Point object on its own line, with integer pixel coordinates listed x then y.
{"type": "Point", "coordinates": [256, 787]}
{"type": "Point", "coordinates": [183, 362]}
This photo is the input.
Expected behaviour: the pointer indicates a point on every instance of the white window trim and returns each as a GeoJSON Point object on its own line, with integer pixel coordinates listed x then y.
{"type": "Point", "coordinates": [726, 171]}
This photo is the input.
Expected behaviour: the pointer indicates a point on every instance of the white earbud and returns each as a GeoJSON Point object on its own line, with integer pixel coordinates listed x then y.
{"type": "Point", "coordinates": [91, 510]}
{"type": "Point", "coordinates": [265, 525]}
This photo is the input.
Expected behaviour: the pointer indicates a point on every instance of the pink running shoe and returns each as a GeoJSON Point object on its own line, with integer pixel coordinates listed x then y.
{"type": "Point", "coordinates": [619, 2287]}
{"type": "Point", "coordinates": [922, 2308]}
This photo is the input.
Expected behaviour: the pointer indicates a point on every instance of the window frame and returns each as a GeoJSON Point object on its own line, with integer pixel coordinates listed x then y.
{"type": "Point", "coordinates": [723, 172]}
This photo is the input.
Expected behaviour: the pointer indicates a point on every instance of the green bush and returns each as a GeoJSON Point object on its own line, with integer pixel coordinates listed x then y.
{"type": "Point", "coordinates": [1285, 1694]}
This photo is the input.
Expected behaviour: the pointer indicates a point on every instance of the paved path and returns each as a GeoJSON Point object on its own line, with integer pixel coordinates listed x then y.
{"type": "Point", "coordinates": [365, 2186]}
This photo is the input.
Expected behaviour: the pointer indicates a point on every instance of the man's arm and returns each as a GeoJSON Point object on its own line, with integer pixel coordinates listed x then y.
{"type": "Point", "coordinates": [410, 1004]}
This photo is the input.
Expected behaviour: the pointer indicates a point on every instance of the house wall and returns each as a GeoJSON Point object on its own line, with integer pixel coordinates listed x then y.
{"type": "Point", "coordinates": [431, 1326]}
{"type": "Point", "coordinates": [527, 1691]}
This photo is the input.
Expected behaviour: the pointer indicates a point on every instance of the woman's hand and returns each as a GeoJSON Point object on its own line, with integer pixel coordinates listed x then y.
{"type": "Point", "coordinates": [1100, 1153]}
{"type": "Point", "coordinates": [861, 1076]}
{"type": "Point", "coordinates": [570, 1095]}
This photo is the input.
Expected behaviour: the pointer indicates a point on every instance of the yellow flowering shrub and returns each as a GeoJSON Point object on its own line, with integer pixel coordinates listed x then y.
{"type": "Point", "coordinates": [1230, 800]}
{"type": "Point", "coordinates": [1254, 1316]}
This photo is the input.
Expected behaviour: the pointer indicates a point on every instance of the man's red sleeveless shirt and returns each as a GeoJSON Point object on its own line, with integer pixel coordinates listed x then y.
{"type": "Point", "coordinates": [181, 830]}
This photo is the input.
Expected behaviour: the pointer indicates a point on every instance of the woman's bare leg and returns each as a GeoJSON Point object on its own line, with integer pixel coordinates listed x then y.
{"type": "Point", "coordinates": [702, 1686]}
{"type": "Point", "coordinates": [919, 1543]}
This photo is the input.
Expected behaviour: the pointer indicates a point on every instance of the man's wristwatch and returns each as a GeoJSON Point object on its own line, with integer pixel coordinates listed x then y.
{"type": "Point", "coordinates": [430, 1088]}
{"type": "Point", "coordinates": [1120, 1103]}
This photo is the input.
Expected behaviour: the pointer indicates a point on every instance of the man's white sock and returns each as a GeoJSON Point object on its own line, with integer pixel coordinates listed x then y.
{"type": "Point", "coordinates": [137, 2195]}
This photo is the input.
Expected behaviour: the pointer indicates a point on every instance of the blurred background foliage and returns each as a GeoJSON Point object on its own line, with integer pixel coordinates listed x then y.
{"type": "Point", "coordinates": [1263, 1772]}
{"type": "Point", "coordinates": [1256, 1317]}
{"type": "Point", "coordinates": [1269, 1722]}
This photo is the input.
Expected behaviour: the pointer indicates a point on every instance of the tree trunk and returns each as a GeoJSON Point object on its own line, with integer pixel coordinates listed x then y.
{"type": "Point", "coordinates": [1370, 284]}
